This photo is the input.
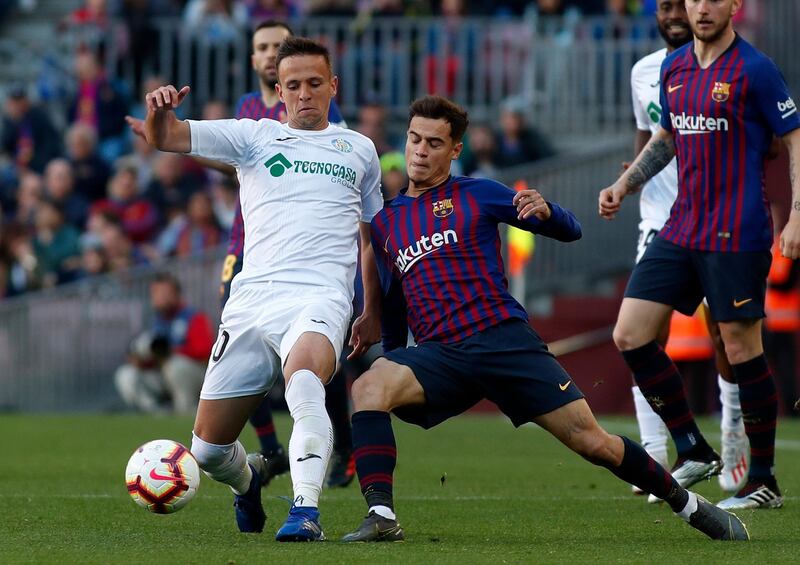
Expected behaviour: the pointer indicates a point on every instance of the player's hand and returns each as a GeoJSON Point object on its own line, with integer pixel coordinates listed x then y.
{"type": "Point", "coordinates": [366, 331]}
{"type": "Point", "coordinates": [530, 203]}
{"type": "Point", "coordinates": [136, 125]}
{"type": "Point", "coordinates": [609, 201]}
{"type": "Point", "coordinates": [165, 98]}
{"type": "Point", "coordinates": [790, 237]}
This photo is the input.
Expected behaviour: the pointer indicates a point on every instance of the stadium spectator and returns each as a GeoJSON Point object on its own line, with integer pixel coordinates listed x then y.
{"type": "Point", "coordinates": [143, 159]}
{"type": "Point", "coordinates": [217, 21]}
{"type": "Point", "coordinates": [138, 215]}
{"type": "Point", "coordinates": [93, 261]}
{"type": "Point", "coordinates": [372, 123]}
{"type": "Point", "coordinates": [56, 245]}
{"type": "Point", "coordinates": [29, 138]}
{"type": "Point", "coordinates": [23, 272]}
{"type": "Point", "coordinates": [93, 12]}
{"type": "Point", "coordinates": [481, 159]}
{"type": "Point", "coordinates": [170, 189]}
{"type": "Point", "coordinates": [517, 142]}
{"type": "Point", "coordinates": [119, 249]}
{"type": "Point", "coordinates": [90, 171]}
{"type": "Point", "coordinates": [29, 196]}
{"type": "Point", "coordinates": [166, 364]}
{"type": "Point", "coordinates": [225, 196]}
{"type": "Point", "coordinates": [101, 105]}
{"type": "Point", "coordinates": [59, 188]}
{"type": "Point", "coordinates": [263, 10]}
{"type": "Point", "coordinates": [200, 231]}
{"type": "Point", "coordinates": [393, 174]}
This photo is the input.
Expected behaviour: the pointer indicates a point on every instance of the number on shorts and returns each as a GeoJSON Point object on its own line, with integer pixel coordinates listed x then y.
{"type": "Point", "coordinates": [227, 268]}
{"type": "Point", "coordinates": [649, 237]}
{"type": "Point", "coordinates": [219, 347]}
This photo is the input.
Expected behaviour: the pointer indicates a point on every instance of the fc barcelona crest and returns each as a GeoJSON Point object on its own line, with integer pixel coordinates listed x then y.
{"type": "Point", "coordinates": [443, 208]}
{"type": "Point", "coordinates": [721, 91]}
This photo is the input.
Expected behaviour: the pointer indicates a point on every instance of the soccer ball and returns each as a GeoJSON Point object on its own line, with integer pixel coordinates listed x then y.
{"type": "Point", "coordinates": [162, 476]}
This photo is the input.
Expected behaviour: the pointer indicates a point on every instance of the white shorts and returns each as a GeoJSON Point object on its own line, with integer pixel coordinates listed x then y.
{"type": "Point", "coordinates": [260, 325]}
{"type": "Point", "coordinates": [648, 229]}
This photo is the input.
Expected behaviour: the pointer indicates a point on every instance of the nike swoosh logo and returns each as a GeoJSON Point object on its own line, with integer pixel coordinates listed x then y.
{"type": "Point", "coordinates": [284, 138]}
{"type": "Point", "coordinates": [319, 321]}
{"type": "Point", "coordinates": [673, 87]}
{"type": "Point", "coordinates": [740, 303]}
{"type": "Point", "coordinates": [565, 385]}
{"type": "Point", "coordinates": [156, 477]}
{"type": "Point", "coordinates": [309, 456]}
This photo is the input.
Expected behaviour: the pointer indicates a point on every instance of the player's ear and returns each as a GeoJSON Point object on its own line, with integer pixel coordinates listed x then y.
{"type": "Point", "coordinates": [457, 148]}
{"type": "Point", "coordinates": [737, 5]}
{"type": "Point", "coordinates": [334, 85]}
{"type": "Point", "coordinates": [253, 61]}
{"type": "Point", "coordinates": [279, 91]}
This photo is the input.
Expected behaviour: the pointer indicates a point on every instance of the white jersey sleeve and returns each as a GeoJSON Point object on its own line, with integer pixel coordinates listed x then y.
{"type": "Point", "coordinates": [371, 197]}
{"type": "Point", "coordinates": [639, 111]}
{"type": "Point", "coordinates": [228, 141]}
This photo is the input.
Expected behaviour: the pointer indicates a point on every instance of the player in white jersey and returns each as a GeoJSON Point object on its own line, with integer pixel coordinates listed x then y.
{"type": "Point", "coordinates": [308, 190]}
{"type": "Point", "coordinates": [655, 203]}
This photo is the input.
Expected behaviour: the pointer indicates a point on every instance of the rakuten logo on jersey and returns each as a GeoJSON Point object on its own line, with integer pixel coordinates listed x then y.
{"type": "Point", "coordinates": [693, 125]}
{"type": "Point", "coordinates": [408, 257]}
{"type": "Point", "coordinates": [787, 108]}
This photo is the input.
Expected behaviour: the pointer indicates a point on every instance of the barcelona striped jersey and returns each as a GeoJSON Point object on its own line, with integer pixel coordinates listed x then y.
{"type": "Point", "coordinates": [442, 249]}
{"type": "Point", "coordinates": [723, 119]}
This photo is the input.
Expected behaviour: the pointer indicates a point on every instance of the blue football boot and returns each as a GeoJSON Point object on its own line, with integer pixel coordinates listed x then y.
{"type": "Point", "coordinates": [301, 525]}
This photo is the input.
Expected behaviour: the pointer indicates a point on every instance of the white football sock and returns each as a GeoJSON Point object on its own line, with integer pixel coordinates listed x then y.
{"type": "Point", "coordinates": [224, 463]}
{"type": "Point", "coordinates": [384, 511]}
{"type": "Point", "coordinates": [690, 508]}
{"type": "Point", "coordinates": [731, 407]}
{"type": "Point", "coordinates": [652, 429]}
{"type": "Point", "coordinates": [311, 442]}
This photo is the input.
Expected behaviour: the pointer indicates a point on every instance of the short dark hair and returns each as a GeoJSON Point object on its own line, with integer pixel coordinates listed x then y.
{"type": "Point", "coordinates": [294, 46]}
{"type": "Point", "coordinates": [268, 24]}
{"type": "Point", "coordinates": [440, 108]}
{"type": "Point", "coordinates": [169, 278]}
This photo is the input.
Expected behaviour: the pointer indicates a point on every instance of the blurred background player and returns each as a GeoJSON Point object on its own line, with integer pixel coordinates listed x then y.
{"type": "Point", "coordinates": [655, 202]}
{"type": "Point", "coordinates": [716, 242]}
{"type": "Point", "coordinates": [166, 364]}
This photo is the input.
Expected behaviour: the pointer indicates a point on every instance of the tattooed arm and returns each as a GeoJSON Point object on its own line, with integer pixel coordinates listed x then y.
{"type": "Point", "coordinates": [656, 155]}
{"type": "Point", "coordinates": [790, 237]}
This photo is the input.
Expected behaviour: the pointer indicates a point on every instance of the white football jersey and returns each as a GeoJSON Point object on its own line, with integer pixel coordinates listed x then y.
{"type": "Point", "coordinates": [660, 192]}
{"type": "Point", "coordinates": [302, 193]}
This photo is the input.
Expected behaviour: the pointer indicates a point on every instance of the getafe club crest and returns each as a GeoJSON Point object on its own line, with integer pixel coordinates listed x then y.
{"type": "Point", "coordinates": [342, 145]}
{"type": "Point", "coordinates": [721, 91]}
{"type": "Point", "coordinates": [443, 208]}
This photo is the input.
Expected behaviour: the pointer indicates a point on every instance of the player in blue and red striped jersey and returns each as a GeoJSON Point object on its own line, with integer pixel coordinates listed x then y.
{"type": "Point", "coordinates": [722, 103]}
{"type": "Point", "coordinates": [438, 250]}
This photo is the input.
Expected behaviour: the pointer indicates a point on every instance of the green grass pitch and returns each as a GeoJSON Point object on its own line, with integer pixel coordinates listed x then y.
{"type": "Point", "coordinates": [508, 496]}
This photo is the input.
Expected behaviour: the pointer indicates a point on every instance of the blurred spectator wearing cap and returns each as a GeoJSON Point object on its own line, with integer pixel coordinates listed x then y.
{"type": "Point", "coordinates": [517, 142]}
{"type": "Point", "coordinates": [138, 216]}
{"type": "Point", "coordinates": [393, 174]}
{"type": "Point", "coordinates": [166, 364]}
{"type": "Point", "coordinates": [89, 170]}
{"type": "Point", "coordinates": [29, 137]}
{"type": "Point", "coordinates": [59, 188]}
{"type": "Point", "coordinates": [56, 245]}
{"type": "Point", "coordinates": [101, 105]}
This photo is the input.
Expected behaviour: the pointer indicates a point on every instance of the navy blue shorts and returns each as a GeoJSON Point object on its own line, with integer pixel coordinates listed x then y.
{"type": "Point", "coordinates": [733, 283]}
{"type": "Point", "coordinates": [508, 364]}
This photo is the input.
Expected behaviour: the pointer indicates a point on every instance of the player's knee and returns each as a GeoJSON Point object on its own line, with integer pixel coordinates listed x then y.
{"type": "Point", "coordinates": [209, 456]}
{"type": "Point", "coordinates": [369, 392]}
{"type": "Point", "coordinates": [627, 337]}
{"type": "Point", "coordinates": [595, 446]}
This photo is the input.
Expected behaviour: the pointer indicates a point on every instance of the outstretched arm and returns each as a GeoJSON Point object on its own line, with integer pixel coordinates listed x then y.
{"type": "Point", "coordinates": [790, 236]}
{"type": "Point", "coordinates": [367, 328]}
{"type": "Point", "coordinates": [656, 155]}
{"type": "Point", "coordinates": [162, 129]}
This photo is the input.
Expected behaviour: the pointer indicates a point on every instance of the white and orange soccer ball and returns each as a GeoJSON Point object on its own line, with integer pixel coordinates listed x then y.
{"type": "Point", "coordinates": [162, 476]}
